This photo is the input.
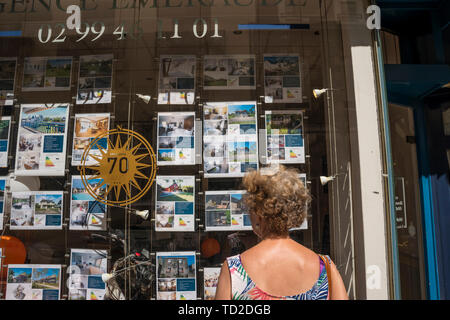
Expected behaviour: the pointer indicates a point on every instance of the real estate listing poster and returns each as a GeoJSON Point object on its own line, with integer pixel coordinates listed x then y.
{"type": "Point", "coordinates": [176, 79]}
{"type": "Point", "coordinates": [2, 200]}
{"type": "Point", "coordinates": [37, 210]}
{"type": "Point", "coordinates": [41, 142]}
{"type": "Point", "coordinates": [86, 269]}
{"type": "Point", "coordinates": [33, 282]}
{"type": "Point", "coordinates": [95, 79]}
{"type": "Point", "coordinates": [87, 127]}
{"type": "Point", "coordinates": [47, 73]}
{"type": "Point", "coordinates": [175, 203]}
{"type": "Point", "coordinates": [229, 72]}
{"type": "Point", "coordinates": [284, 137]}
{"type": "Point", "coordinates": [230, 146]}
{"type": "Point", "coordinates": [8, 67]}
{"type": "Point", "coordinates": [5, 128]}
{"type": "Point", "coordinates": [176, 276]}
{"type": "Point", "coordinates": [211, 278]}
{"type": "Point", "coordinates": [86, 213]}
{"type": "Point", "coordinates": [282, 78]}
{"type": "Point", "coordinates": [225, 211]}
{"type": "Point", "coordinates": [176, 144]}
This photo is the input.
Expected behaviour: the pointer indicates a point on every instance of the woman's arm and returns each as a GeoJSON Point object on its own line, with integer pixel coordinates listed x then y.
{"type": "Point", "coordinates": [223, 291]}
{"type": "Point", "coordinates": [338, 291]}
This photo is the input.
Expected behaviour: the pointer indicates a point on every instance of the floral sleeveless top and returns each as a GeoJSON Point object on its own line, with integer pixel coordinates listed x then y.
{"type": "Point", "coordinates": [243, 288]}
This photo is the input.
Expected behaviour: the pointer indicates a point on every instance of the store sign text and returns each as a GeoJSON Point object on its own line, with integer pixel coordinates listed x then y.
{"type": "Point", "coordinates": [33, 6]}
{"type": "Point", "coordinates": [57, 33]}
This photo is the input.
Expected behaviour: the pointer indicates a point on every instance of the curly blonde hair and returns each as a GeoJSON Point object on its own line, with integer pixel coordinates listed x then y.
{"type": "Point", "coordinates": [281, 200]}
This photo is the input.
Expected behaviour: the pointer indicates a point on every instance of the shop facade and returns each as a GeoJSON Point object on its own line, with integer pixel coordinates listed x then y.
{"type": "Point", "coordinates": [190, 95]}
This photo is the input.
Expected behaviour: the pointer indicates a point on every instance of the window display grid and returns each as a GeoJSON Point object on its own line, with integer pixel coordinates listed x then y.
{"type": "Point", "coordinates": [202, 183]}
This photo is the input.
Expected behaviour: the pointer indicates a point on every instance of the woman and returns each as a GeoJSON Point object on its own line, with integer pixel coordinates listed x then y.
{"type": "Point", "coordinates": [278, 267]}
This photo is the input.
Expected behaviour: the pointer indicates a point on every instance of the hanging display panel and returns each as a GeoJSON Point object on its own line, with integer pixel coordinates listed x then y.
{"type": "Point", "coordinates": [41, 143]}
{"type": "Point", "coordinates": [230, 147]}
{"type": "Point", "coordinates": [229, 72]}
{"type": "Point", "coordinates": [176, 79]}
{"type": "Point", "coordinates": [87, 127]}
{"type": "Point", "coordinates": [282, 78]}
{"type": "Point", "coordinates": [33, 282]}
{"type": "Point", "coordinates": [211, 278]}
{"type": "Point", "coordinates": [284, 136]}
{"type": "Point", "coordinates": [175, 203]}
{"type": "Point", "coordinates": [8, 67]}
{"type": "Point", "coordinates": [176, 138]}
{"type": "Point", "coordinates": [85, 212]}
{"type": "Point", "coordinates": [95, 79]}
{"type": "Point", "coordinates": [5, 128]}
{"type": "Point", "coordinates": [176, 276]}
{"type": "Point", "coordinates": [37, 210]}
{"type": "Point", "coordinates": [2, 200]}
{"type": "Point", "coordinates": [225, 211]}
{"type": "Point", "coordinates": [47, 73]}
{"type": "Point", "coordinates": [86, 269]}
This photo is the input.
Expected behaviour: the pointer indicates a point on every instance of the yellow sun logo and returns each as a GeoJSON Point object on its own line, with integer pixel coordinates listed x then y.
{"type": "Point", "coordinates": [126, 163]}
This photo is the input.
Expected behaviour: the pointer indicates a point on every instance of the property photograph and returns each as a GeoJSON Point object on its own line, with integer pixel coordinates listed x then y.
{"type": "Point", "coordinates": [165, 208]}
{"type": "Point", "coordinates": [218, 218]}
{"type": "Point", "coordinates": [174, 190]}
{"type": "Point", "coordinates": [22, 213]}
{"type": "Point", "coordinates": [241, 67]}
{"type": "Point", "coordinates": [19, 275]}
{"type": "Point", "coordinates": [215, 112]}
{"type": "Point", "coordinates": [217, 201]}
{"type": "Point", "coordinates": [48, 204]}
{"type": "Point", "coordinates": [281, 66]}
{"type": "Point", "coordinates": [241, 114]}
{"type": "Point", "coordinates": [4, 129]}
{"type": "Point", "coordinates": [30, 142]}
{"type": "Point", "coordinates": [237, 203]}
{"type": "Point", "coordinates": [45, 278]}
{"type": "Point", "coordinates": [176, 125]}
{"type": "Point", "coordinates": [89, 262]}
{"type": "Point", "coordinates": [164, 221]}
{"type": "Point", "coordinates": [242, 151]}
{"type": "Point", "coordinates": [44, 119]}
{"type": "Point", "coordinates": [178, 67]}
{"type": "Point", "coordinates": [215, 127]}
{"type": "Point", "coordinates": [284, 123]}
{"type": "Point", "coordinates": [167, 284]}
{"type": "Point", "coordinates": [58, 68]}
{"type": "Point", "coordinates": [96, 66]}
{"type": "Point", "coordinates": [215, 166]}
{"type": "Point", "coordinates": [176, 267]}
{"type": "Point", "coordinates": [87, 126]}
{"type": "Point", "coordinates": [28, 160]}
